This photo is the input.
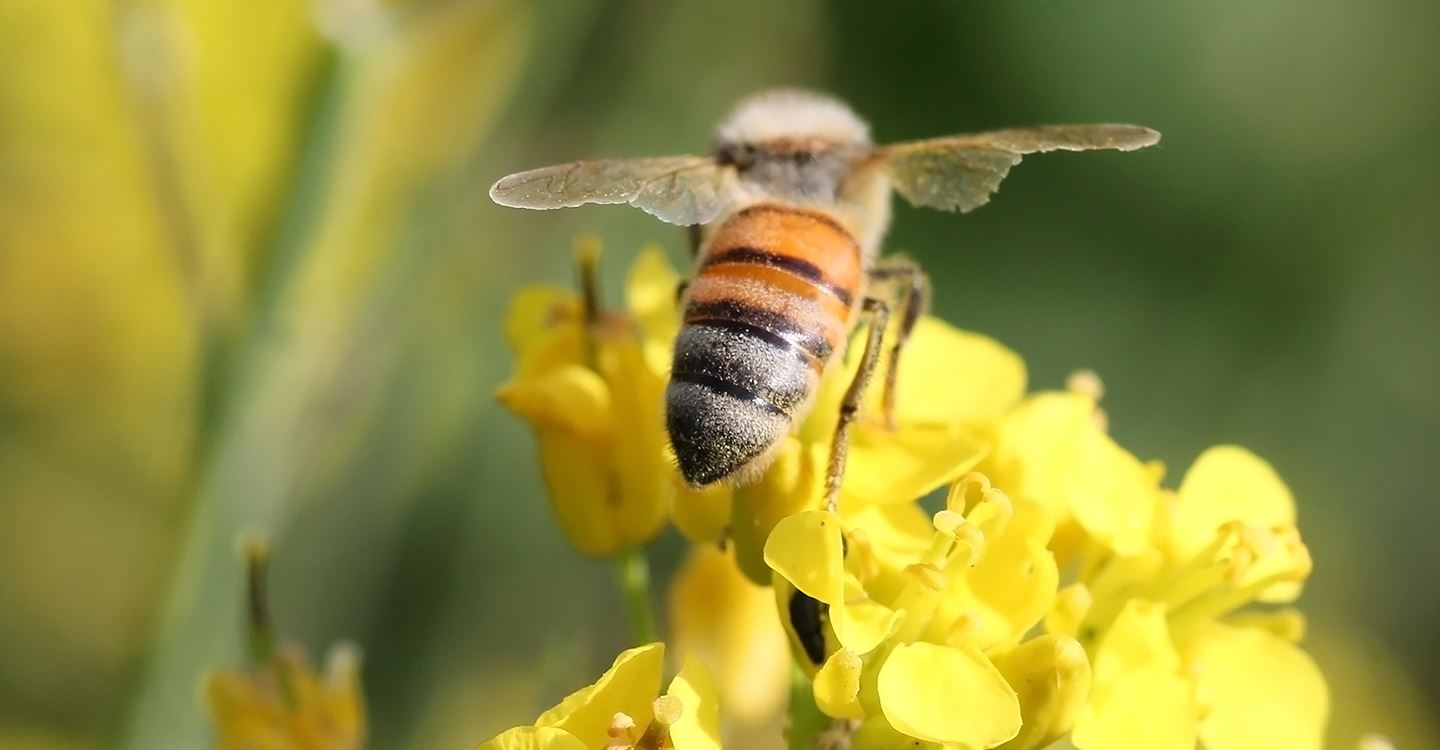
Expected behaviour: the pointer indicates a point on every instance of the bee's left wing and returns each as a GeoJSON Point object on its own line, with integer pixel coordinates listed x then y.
{"type": "Point", "coordinates": [682, 190]}
{"type": "Point", "coordinates": [962, 171]}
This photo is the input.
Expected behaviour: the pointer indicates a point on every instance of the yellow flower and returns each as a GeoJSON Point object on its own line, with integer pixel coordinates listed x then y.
{"type": "Point", "coordinates": [621, 710]}
{"type": "Point", "coordinates": [593, 395]}
{"type": "Point", "coordinates": [897, 630]}
{"type": "Point", "coordinates": [1053, 449]}
{"type": "Point", "coordinates": [591, 383]}
{"type": "Point", "coordinates": [953, 384]}
{"type": "Point", "coordinates": [1175, 661]}
{"type": "Point", "coordinates": [283, 704]}
{"type": "Point", "coordinates": [730, 624]}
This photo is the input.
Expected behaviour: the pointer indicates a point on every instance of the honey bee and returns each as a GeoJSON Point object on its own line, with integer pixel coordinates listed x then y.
{"type": "Point", "coordinates": [787, 216]}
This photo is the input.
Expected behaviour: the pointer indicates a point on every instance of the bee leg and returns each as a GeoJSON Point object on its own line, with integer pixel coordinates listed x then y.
{"type": "Point", "coordinates": [680, 288]}
{"type": "Point", "coordinates": [854, 395]}
{"type": "Point", "coordinates": [911, 287]}
{"type": "Point", "coordinates": [695, 235]}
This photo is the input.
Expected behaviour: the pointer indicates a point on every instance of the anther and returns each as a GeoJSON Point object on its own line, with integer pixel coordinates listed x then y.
{"type": "Point", "coordinates": [970, 485]}
{"type": "Point", "coordinates": [621, 725]}
{"type": "Point", "coordinates": [948, 521]}
{"type": "Point", "coordinates": [928, 574]}
{"type": "Point", "coordinates": [1085, 383]}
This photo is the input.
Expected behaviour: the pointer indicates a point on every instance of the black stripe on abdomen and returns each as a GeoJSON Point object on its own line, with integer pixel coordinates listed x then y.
{"type": "Point", "coordinates": [728, 388]}
{"type": "Point", "coordinates": [739, 363]}
{"type": "Point", "coordinates": [737, 315]}
{"type": "Point", "coordinates": [788, 263]}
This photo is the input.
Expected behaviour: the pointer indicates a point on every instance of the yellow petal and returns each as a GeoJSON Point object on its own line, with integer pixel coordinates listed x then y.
{"type": "Point", "coordinates": [1112, 494]}
{"type": "Point", "coordinates": [837, 686]}
{"type": "Point", "coordinates": [630, 685]}
{"type": "Point", "coordinates": [1227, 483]}
{"type": "Point", "coordinates": [535, 311]}
{"type": "Point", "coordinates": [1050, 449]}
{"type": "Point", "coordinates": [699, 724]}
{"type": "Point", "coordinates": [701, 515]}
{"type": "Point", "coordinates": [577, 483]}
{"type": "Point", "coordinates": [650, 294]}
{"type": "Point", "coordinates": [729, 623]}
{"type": "Point", "coordinates": [903, 466]}
{"type": "Point", "coordinates": [898, 534]}
{"type": "Point", "coordinates": [945, 694]}
{"type": "Point", "coordinates": [571, 398]}
{"type": "Point", "coordinates": [645, 478]}
{"type": "Point", "coordinates": [1262, 691]}
{"type": "Point", "coordinates": [792, 484]}
{"type": "Point", "coordinates": [1051, 677]}
{"type": "Point", "coordinates": [806, 550]}
{"type": "Point", "coordinates": [1230, 485]}
{"type": "Point", "coordinates": [861, 623]}
{"type": "Point", "coordinates": [1139, 638]}
{"type": "Point", "coordinates": [533, 738]}
{"type": "Point", "coordinates": [949, 376]}
{"type": "Point", "coordinates": [1014, 582]}
{"type": "Point", "coordinates": [874, 733]}
{"type": "Point", "coordinates": [1032, 442]}
{"type": "Point", "coordinates": [1152, 708]}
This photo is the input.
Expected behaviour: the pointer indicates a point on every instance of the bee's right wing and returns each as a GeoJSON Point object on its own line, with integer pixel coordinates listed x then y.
{"type": "Point", "coordinates": [962, 171]}
{"type": "Point", "coordinates": [682, 190]}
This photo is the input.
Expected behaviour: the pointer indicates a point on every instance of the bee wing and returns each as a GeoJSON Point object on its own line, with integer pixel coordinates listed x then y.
{"type": "Point", "coordinates": [680, 190]}
{"type": "Point", "coordinates": [962, 171]}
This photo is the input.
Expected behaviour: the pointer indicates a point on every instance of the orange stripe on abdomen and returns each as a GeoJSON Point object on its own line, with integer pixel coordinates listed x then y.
{"type": "Point", "coordinates": [781, 271]}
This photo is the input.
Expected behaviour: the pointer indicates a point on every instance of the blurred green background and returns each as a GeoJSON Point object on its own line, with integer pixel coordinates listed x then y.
{"type": "Point", "coordinates": [250, 281]}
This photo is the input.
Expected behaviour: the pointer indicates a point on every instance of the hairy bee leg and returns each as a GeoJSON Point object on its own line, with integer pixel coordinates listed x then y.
{"type": "Point", "coordinates": [680, 288]}
{"type": "Point", "coordinates": [912, 286]}
{"type": "Point", "coordinates": [854, 395]}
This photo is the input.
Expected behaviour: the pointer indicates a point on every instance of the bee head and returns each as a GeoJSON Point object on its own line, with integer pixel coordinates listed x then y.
{"type": "Point", "coordinates": [792, 140]}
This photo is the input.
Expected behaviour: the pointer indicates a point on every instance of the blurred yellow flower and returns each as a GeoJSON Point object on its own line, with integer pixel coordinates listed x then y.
{"type": "Point", "coordinates": [1175, 661]}
{"type": "Point", "coordinates": [623, 709]}
{"type": "Point", "coordinates": [589, 383]}
{"type": "Point", "coordinates": [284, 704]}
{"type": "Point", "coordinates": [281, 702]}
{"type": "Point", "coordinates": [730, 624]}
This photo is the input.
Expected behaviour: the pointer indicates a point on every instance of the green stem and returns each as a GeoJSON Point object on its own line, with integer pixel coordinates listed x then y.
{"type": "Point", "coordinates": [634, 572]}
{"type": "Point", "coordinates": [806, 720]}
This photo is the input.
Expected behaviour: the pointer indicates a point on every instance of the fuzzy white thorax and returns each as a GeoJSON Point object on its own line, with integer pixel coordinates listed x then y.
{"type": "Point", "coordinates": [793, 113]}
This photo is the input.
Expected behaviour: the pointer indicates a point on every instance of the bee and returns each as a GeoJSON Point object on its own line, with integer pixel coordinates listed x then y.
{"type": "Point", "coordinates": [787, 214]}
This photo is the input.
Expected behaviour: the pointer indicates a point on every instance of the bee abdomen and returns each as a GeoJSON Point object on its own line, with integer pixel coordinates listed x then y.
{"type": "Point", "coordinates": [731, 397]}
{"type": "Point", "coordinates": [770, 305]}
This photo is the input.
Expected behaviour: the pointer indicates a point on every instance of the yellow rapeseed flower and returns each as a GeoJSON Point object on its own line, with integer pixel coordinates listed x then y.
{"type": "Point", "coordinates": [1168, 637]}
{"type": "Point", "coordinates": [898, 629]}
{"type": "Point", "coordinates": [590, 382]}
{"type": "Point", "coordinates": [954, 383]}
{"type": "Point", "coordinates": [729, 623]}
{"type": "Point", "coordinates": [624, 709]}
{"type": "Point", "coordinates": [282, 702]}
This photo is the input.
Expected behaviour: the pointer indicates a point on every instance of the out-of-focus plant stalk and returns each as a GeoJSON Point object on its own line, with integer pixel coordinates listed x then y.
{"type": "Point", "coordinates": [238, 486]}
{"type": "Point", "coordinates": [634, 573]}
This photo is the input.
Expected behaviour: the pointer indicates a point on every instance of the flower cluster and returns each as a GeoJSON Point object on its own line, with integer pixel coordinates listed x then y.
{"type": "Point", "coordinates": [1063, 591]}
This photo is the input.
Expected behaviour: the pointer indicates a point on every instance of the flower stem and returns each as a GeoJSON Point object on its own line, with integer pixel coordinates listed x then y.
{"type": "Point", "coordinates": [634, 572]}
{"type": "Point", "coordinates": [807, 723]}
